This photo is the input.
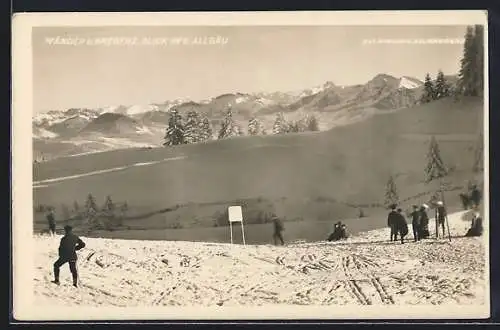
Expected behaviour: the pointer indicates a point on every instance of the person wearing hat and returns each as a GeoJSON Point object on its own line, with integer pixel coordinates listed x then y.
{"type": "Point", "coordinates": [70, 243]}
{"type": "Point", "coordinates": [278, 229]}
{"type": "Point", "coordinates": [392, 221]}
{"type": "Point", "coordinates": [424, 221]}
{"type": "Point", "coordinates": [440, 217]}
{"type": "Point", "coordinates": [401, 225]}
{"type": "Point", "coordinates": [415, 223]}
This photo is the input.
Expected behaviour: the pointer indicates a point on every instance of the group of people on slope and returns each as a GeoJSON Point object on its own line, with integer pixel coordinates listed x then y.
{"type": "Point", "coordinates": [396, 221]}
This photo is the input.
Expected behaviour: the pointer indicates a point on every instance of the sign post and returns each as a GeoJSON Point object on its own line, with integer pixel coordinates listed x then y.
{"type": "Point", "coordinates": [235, 214]}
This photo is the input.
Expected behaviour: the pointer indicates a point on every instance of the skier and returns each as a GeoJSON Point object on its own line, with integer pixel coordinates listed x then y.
{"type": "Point", "coordinates": [440, 217]}
{"type": "Point", "coordinates": [70, 243]}
{"type": "Point", "coordinates": [424, 221]}
{"type": "Point", "coordinates": [278, 229]}
{"type": "Point", "coordinates": [401, 225]}
{"type": "Point", "coordinates": [52, 222]}
{"type": "Point", "coordinates": [392, 220]}
{"type": "Point", "coordinates": [415, 223]}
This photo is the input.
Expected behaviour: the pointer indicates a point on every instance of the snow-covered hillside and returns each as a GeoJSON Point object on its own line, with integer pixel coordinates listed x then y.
{"type": "Point", "coordinates": [364, 270]}
{"type": "Point", "coordinates": [409, 83]}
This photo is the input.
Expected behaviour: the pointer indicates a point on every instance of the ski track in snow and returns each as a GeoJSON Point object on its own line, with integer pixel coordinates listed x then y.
{"type": "Point", "coordinates": [40, 184]}
{"type": "Point", "coordinates": [362, 270]}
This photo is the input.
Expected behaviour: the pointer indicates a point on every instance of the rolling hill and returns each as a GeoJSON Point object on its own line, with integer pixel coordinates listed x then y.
{"type": "Point", "coordinates": [306, 177]}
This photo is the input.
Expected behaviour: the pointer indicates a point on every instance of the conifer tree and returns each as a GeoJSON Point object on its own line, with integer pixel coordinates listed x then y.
{"type": "Point", "coordinates": [109, 206]}
{"type": "Point", "coordinates": [435, 166]}
{"type": "Point", "coordinates": [254, 126]}
{"type": "Point", "coordinates": [478, 60]}
{"type": "Point", "coordinates": [442, 88]}
{"type": "Point", "coordinates": [192, 132]}
{"type": "Point", "coordinates": [124, 209]}
{"type": "Point", "coordinates": [391, 192]}
{"type": "Point", "coordinates": [90, 206]}
{"type": "Point", "coordinates": [466, 83]}
{"type": "Point", "coordinates": [76, 207]}
{"type": "Point", "coordinates": [429, 91]}
{"type": "Point", "coordinates": [175, 130]}
{"type": "Point", "coordinates": [205, 129]}
{"type": "Point", "coordinates": [312, 124]}
{"type": "Point", "coordinates": [229, 128]}
{"type": "Point", "coordinates": [478, 155]}
{"type": "Point", "coordinates": [280, 125]}
{"type": "Point", "coordinates": [65, 212]}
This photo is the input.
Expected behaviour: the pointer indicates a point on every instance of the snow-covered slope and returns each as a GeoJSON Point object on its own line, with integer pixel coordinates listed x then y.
{"type": "Point", "coordinates": [409, 83]}
{"type": "Point", "coordinates": [364, 270]}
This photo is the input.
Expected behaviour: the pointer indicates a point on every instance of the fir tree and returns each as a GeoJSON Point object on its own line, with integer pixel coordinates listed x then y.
{"type": "Point", "coordinates": [429, 91]}
{"type": "Point", "coordinates": [478, 155]}
{"type": "Point", "coordinates": [254, 126]}
{"type": "Point", "coordinates": [65, 212]}
{"type": "Point", "coordinates": [312, 124]}
{"type": "Point", "coordinates": [192, 132]}
{"type": "Point", "coordinates": [109, 206]}
{"type": "Point", "coordinates": [478, 60]}
{"type": "Point", "coordinates": [175, 130]}
{"type": "Point", "coordinates": [293, 127]}
{"type": "Point", "coordinates": [391, 192]}
{"type": "Point", "coordinates": [466, 84]}
{"type": "Point", "coordinates": [90, 206]}
{"type": "Point", "coordinates": [280, 125]}
{"type": "Point", "coordinates": [435, 166]}
{"type": "Point", "coordinates": [228, 128]}
{"type": "Point", "coordinates": [205, 129]}
{"type": "Point", "coordinates": [76, 207]}
{"type": "Point", "coordinates": [442, 88]}
{"type": "Point", "coordinates": [124, 209]}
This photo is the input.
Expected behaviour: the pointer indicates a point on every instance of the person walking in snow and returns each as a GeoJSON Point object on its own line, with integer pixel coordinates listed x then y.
{"type": "Point", "coordinates": [440, 217]}
{"type": "Point", "coordinates": [415, 223]}
{"type": "Point", "coordinates": [278, 230]}
{"type": "Point", "coordinates": [52, 222]}
{"type": "Point", "coordinates": [401, 225]}
{"type": "Point", "coordinates": [392, 220]}
{"type": "Point", "coordinates": [70, 243]}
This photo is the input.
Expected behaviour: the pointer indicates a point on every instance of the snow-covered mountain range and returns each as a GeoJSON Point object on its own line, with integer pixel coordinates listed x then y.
{"type": "Point", "coordinates": [145, 124]}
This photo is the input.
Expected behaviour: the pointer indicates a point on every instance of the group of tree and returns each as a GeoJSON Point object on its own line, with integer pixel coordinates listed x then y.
{"type": "Point", "coordinates": [192, 129]}
{"type": "Point", "coordinates": [105, 217]}
{"type": "Point", "coordinates": [434, 90]}
{"type": "Point", "coordinates": [282, 126]}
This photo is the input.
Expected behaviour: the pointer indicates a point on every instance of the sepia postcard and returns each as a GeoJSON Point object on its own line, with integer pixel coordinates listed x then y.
{"type": "Point", "coordinates": [250, 166]}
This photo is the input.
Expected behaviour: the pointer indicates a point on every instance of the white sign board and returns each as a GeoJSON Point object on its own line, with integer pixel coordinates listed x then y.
{"type": "Point", "coordinates": [235, 214]}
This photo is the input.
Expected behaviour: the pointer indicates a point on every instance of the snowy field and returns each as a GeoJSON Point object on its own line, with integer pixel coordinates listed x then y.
{"type": "Point", "coordinates": [364, 270]}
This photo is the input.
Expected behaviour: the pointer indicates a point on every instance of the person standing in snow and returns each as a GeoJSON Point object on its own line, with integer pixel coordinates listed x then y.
{"type": "Point", "coordinates": [70, 243]}
{"type": "Point", "coordinates": [401, 225]}
{"type": "Point", "coordinates": [278, 229]}
{"type": "Point", "coordinates": [415, 223]}
{"type": "Point", "coordinates": [392, 220]}
{"type": "Point", "coordinates": [440, 217]}
{"type": "Point", "coordinates": [52, 222]}
{"type": "Point", "coordinates": [424, 221]}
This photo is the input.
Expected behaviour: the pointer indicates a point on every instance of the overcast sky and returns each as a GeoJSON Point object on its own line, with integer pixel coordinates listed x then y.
{"type": "Point", "coordinates": [253, 59]}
